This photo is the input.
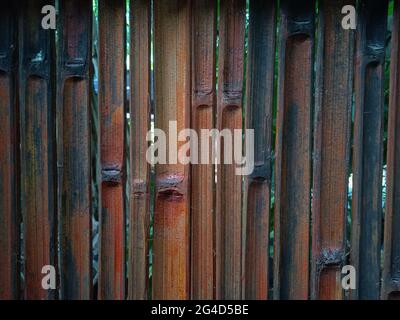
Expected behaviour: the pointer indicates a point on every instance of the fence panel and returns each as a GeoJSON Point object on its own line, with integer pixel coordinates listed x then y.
{"type": "Point", "coordinates": [331, 150]}
{"type": "Point", "coordinates": [391, 268]}
{"type": "Point", "coordinates": [112, 148]}
{"type": "Point", "coordinates": [260, 86]}
{"type": "Point", "coordinates": [368, 147]}
{"type": "Point", "coordinates": [9, 153]}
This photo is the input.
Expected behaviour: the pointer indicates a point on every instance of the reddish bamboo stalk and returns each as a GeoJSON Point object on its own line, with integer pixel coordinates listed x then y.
{"type": "Point", "coordinates": [74, 154]}
{"type": "Point", "coordinates": [112, 148]}
{"type": "Point", "coordinates": [140, 172]}
{"type": "Point", "coordinates": [368, 146]}
{"type": "Point", "coordinates": [331, 150]}
{"type": "Point", "coordinates": [260, 86]}
{"type": "Point", "coordinates": [172, 93]}
{"type": "Point", "coordinates": [9, 157]}
{"type": "Point", "coordinates": [391, 267]}
{"type": "Point", "coordinates": [293, 151]}
{"type": "Point", "coordinates": [229, 185]}
{"type": "Point", "coordinates": [38, 150]}
{"type": "Point", "coordinates": [203, 187]}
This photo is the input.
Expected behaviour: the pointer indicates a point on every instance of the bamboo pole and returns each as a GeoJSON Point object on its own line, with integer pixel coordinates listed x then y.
{"type": "Point", "coordinates": [204, 18]}
{"type": "Point", "coordinates": [140, 168]}
{"type": "Point", "coordinates": [38, 147]}
{"type": "Point", "coordinates": [172, 103]}
{"type": "Point", "coordinates": [368, 147]}
{"type": "Point", "coordinates": [229, 116]}
{"type": "Point", "coordinates": [391, 268]}
{"type": "Point", "coordinates": [331, 150]}
{"type": "Point", "coordinates": [112, 148]}
{"type": "Point", "coordinates": [9, 157]}
{"type": "Point", "coordinates": [74, 154]}
{"type": "Point", "coordinates": [293, 151]}
{"type": "Point", "coordinates": [260, 92]}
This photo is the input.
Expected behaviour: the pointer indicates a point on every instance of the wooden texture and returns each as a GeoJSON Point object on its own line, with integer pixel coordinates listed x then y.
{"type": "Point", "coordinates": [112, 148]}
{"type": "Point", "coordinates": [204, 22]}
{"type": "Point", "coordinates": [74, 154]}
{"type": "Point", "coordinates": [172, 103]}
{"type": "Point", "coordinates": [9, 153]}
{"type": "Point", "coordinates": [293, 151]}
{"type": "Point", "coordinates": [260, 86]}
{"type": "Point", "coordinates": [138, 274]}
{"type": "Point", "coordinates": [38, 152]}
{"type": "Point", "coordinates": [331, 151]}
{"type": "Point", "coordinates": [368, 147]}
{"type": "Point", "coordinates": [229, 116]}
{"type": "Point", "coordinates": [391, 267]}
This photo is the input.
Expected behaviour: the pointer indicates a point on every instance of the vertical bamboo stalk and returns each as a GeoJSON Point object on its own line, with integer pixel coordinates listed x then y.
{"type": "Point", "coordinates": [293, 150]}
{"type": "Point", "coordinates": [9, 157]}
{"type": "Point", "coordinates": [112, 148]}
{"type": "Point", "coordinates": [391, 266]}
{"type": "Point", "coordinates": [140, 168]}
{"type": "Point", "coordinates": [368, 147]}
{"type": "Point", "coordinates": [74, 155]}
{"type": "Point", "coordinates": [331, 150]}
{"type": "Point", "coordinates": [260, 87]}
{"type": "Point", "coordinates": [172, 93]}
{"type": "Point", "coordinates": [38, 148]}
{"type": "Point", "coordinates": [204, 20]}
{"type": "Point", "coordinates": [229, 116]}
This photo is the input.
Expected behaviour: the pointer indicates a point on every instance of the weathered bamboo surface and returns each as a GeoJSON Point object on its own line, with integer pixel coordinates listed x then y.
{"type": "Point", "coordinates": [368, 148]}
{"type": "Point", "coordinates": [331, 150]}
{"type": "Point", "coordinates": [9, 153]}
{"type": "Point", "coordinates": [74, 154]}
{"type": "Point", "coordinates": [204, 23]}
{"type": "Point", "coordinates": [172, 103]}
{"type": "Point", "coordinates": [138, 273]}
{"type": "Point", "coordinates": [229, 116]}
{"type": "Point", "coordinates": [260, 86]}
{"type": "Point", "coordinates": [112, 148]}
{"type": "Point", "coordinates": [38, 151]}
{"type": "Point", "coordinates": [293, 151]}
{"type": "Point", "coordinates": [391, 267]}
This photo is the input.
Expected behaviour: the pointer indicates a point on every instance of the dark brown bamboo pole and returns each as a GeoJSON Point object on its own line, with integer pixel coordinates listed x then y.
{"type": "Point", "coordinates": [140, 168]}
{"type": "Point", "coordinates": [391, 266]}
{"type": "Point", "coordinates": [204, 18]}
{"type": "Point", "coordinates": [112, 148]}
{"type": "Point", "coordinates": [331, 150]}
{"type": "Point", "coordinates": [38, 146]}
{"type": "Point", "coordinates": [172, 103]}
{"type": "Point", "coordinates": [260, 92]}
{"type": "Point", "coordinates": [74, 154]}
{"type": "Point", "coordinates": [9, 156]}
{"type": "Point", "coordinates": [229, 116]}
{"type": "Point", "coordinates": [368, 147]}
{"type": "Point", "coordinates": [293, 151]}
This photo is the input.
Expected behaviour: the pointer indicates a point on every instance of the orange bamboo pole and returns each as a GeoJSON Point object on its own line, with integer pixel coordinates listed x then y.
{"type": "Point", "coordinates": [9, 157]}
{"type": "Point", "coordinates": [204, 15]}
{"type": "Point", "coordinates": [112, 148]}
{"type": "Point", "coordinates": [140, 168]}
{"type": "Point", "coordinates": [172, 94]}
{"type": "Point", "coordinates": [229, 116]}
{"type": "Point", "coordinates": [74, 153]}
{"type": "Point", "coordinates": [38, 147]}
